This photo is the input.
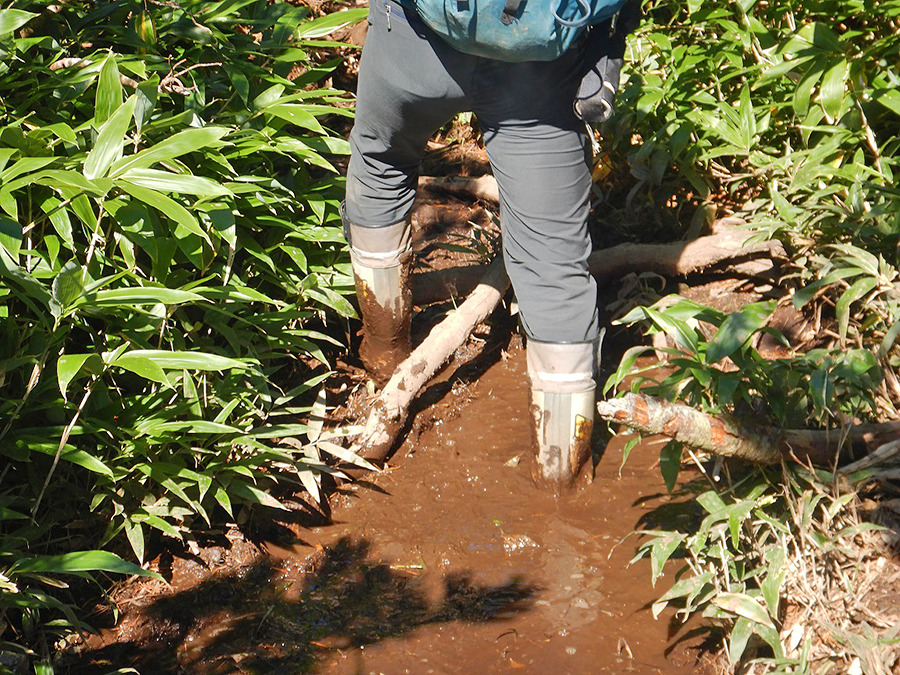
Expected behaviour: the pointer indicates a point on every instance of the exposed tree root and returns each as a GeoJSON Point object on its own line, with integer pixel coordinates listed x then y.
{"type": "Point", "coordinates": [729, 437]}
{"type": "Point", "coordinates": [677, 258]}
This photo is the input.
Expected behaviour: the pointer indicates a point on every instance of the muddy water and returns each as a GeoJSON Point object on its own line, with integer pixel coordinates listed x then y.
{"type": "Point", "coordinates": [452, 563]}
{"type": "Point", "coordinates": [504, 577]}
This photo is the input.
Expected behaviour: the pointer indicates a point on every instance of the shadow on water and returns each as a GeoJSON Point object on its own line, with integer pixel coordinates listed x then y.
{"type": "Point", "coordinates": [265, 618]}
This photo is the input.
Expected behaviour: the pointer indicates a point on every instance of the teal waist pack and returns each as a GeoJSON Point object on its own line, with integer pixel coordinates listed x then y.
{"type": "Point", "coordinates": [513, 30]}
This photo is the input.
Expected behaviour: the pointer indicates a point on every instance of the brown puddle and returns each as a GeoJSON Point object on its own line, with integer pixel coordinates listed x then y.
{"type": "Point", "coordinates": [453, 563]}
{"type": "Point", "coordinates": [538, 582]}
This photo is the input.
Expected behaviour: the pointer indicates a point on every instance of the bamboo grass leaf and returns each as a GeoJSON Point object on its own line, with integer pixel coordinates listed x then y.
{"type": "Point", "coordinates": [109, 91]}
{"type": "Point", "coordinates": [189, 360]}
{"type": "Point", "coordinates": [182, 143]}
{"type": "Point", "coordinates": [168, 206]}
{"type": "Point", "coordinates": [13, 19]}
{"type": "Point", "coordinates": [68, 366]}
{"type": "Point", "coordinates": [81, 561]}
{"type": "Point", "coordinates": [329, 23]}
{"type": "Point", "coordinates": [108, 147]}
{"type": "Point", "coordinates": [745, 606]}
{"type": "Point", "coordinates": [166, 181]}
{"type": "Point", "coordinates": [737, 330]}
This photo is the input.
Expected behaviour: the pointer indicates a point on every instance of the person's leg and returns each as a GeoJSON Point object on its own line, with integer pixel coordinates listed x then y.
{"type": "Point", "coordinates": [407, 88]}
{"type": "Point", "coordinates": [540, 156]}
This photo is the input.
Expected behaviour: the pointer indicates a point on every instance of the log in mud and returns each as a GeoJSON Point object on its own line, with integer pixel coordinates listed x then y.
{"type": "Point", "coordinates": [727, 436]}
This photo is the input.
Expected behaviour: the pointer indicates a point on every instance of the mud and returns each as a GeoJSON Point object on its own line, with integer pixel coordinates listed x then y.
{"type": "Point", "coordinates": [386, 327]}
{"type": "Point", "coordinates": [451, 563]}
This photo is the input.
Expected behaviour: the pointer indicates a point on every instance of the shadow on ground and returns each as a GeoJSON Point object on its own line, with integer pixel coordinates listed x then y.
{"type": "Point", "coordinates": [267, 619]}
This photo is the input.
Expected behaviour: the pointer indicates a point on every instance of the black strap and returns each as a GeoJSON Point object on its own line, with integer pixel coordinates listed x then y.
{"type": "Point", "coordinates": [510, 12]}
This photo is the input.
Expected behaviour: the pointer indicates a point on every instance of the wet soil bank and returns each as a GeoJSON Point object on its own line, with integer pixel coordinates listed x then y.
{"type": "Point", "coordinates": [453, 562]}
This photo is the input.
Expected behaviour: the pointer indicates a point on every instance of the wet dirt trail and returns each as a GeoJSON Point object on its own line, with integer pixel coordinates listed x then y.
{"type": "Point", "coordinates": [453, 563]}
{"type": "Point", "coordinates": [492, 574]}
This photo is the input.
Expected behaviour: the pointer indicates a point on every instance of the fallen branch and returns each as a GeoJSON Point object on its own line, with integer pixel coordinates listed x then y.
{"type": "Point", "coordinates": [391, 408]}
{"type": "Point", "coordinates": [729, 437]}
{"type": "Point", "coordinates": [678, 258]}
{"type": "Point", "coordinates": [681, 258]}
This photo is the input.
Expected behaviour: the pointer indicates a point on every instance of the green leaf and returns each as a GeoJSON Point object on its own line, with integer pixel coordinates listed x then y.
{"type": "Point", "coordinates": [181, 183]}
{"type": "Point", "coordinates": [807, 293]}
{"type": "Point", "coordinates": [737, 330]}
{"type": "Point", "coordinates": [670, 463]}
{"type": "Point", "coordinates": [684, 336]}
{"type": "Point", "coordinates": [70, 454]}
{"type": "Point", "coordinates": [108, 147]}
{"type": "Point", "coordinates": [69, 365]}
{"type": "Point", "coordinates": [833, 86]}
{"type": "Point", "coordinates": [626, 367]}
{"type": "Point", "coordinates": [774, 577]}
{"type": "Point", "coordinates": [745, 606]}
{"type": "Point", "coordinates": [660, 551]}
{"type": "Point", "coordinates": [80, 561]}
{"type": "Point", "coordinates": [189, 140]}
{"type": "Point", "coordinates": [168, 206]}
{"type": "Point", "coordinates": [147, 95]}
{"type": "Point", "coordinates": [109, 91]}
{"type": "Point", "coordinates": [308, 479]}
{"type": "Point", "coordinates": [296, 114]}
{"type": "Point", "coordinates": [24, 165]}
{"type": "Point", "coordinates": [188, 360]}
{"type": "Point", "coordinates": [163, 526]}
{"type": "Point", "coordinates": [325, 25]}
{"type": "Point", "coordinates": [33, 289]}
{"type": "Point", "coordinates": [154, 427]}
{"type": "Point", "coordinates": [68, 286]}
{"type": "Point", "coordinates": [345, 455]}
{"type": "Point", "coordinates": [13, 19]}
{"type": "Point", "coordinates": [737, 640]}
{"type": "Point", "coordinates": [138, 295]}
{"type": "Point", "coordinates": [221, 496]}
{"type": "Point", "coordinates": [857, 290]}
{"type": "Point", "coordinates": [890, 99]}
{"type": "Point", "coordinates": [690, 586]}
{"type": "Point", "coordinates": [10, 235]}
{"type": "Point", "coordinates": [135, 534]}
{"type": "Point", "coordinates": [146, 368]}
{"type": "Point", "coordinates": [254, 495]}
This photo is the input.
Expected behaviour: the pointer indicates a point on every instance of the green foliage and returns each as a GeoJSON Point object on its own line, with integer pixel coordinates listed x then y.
{"type": "Point", "coordinates": [759, 541]}
{"type": "Point", "coordinates": [788, 115]}
{"type": "Point", "coordinates": [170, 246]}
{"type": "Point", "coordinates": [788, 112]}
{"type": "Point", "coordinates": [804, 390]}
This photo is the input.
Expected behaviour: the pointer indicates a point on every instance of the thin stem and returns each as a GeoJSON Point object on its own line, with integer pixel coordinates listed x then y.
{"type": "Point", "coordinates": [62, 444]}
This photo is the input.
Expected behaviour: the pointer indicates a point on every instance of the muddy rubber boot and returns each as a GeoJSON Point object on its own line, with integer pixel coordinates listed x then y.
{"type": "Point", "coordinates": [381, 260]}
{"type": "Point", "coordinates": [562, 408]}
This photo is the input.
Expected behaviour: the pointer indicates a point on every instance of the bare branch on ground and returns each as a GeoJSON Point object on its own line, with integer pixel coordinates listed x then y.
{"type": "Point", "coordinates": [727, 436]}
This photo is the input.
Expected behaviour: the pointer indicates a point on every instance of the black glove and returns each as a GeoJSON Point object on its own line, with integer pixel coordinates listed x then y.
{"type": "Point", "coordinates": [604, 54]}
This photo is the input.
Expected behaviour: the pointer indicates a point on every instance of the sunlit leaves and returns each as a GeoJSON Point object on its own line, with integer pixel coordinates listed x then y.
{"type": "Point", "coordinates": [188, 140]}
{"type": "Point", "coordinates": [149, 309]}
{"type": "Point", "coordinates": [108, 147]}
{"type": "Point", "coordinates": [737, 329]}
{"type": "Point", "coordinates": [82, 561]}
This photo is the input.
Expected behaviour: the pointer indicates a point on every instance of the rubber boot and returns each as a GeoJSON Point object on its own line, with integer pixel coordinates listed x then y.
{"type": "Point", "coordinates": [381, 260]}
{"type": "Point", "coordinates": [562, 408]}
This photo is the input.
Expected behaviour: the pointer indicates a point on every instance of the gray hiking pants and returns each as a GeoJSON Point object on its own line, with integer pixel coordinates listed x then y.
{"type": "Point", "coordinates": [410, 84]}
